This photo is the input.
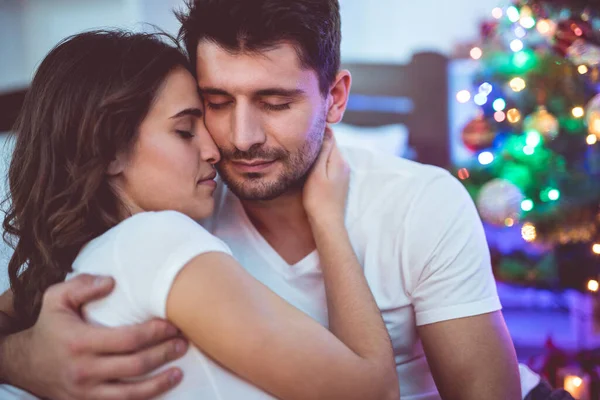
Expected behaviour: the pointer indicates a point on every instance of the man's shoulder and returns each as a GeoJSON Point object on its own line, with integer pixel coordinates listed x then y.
{"type": "Point", "coordinates": [402, 181]}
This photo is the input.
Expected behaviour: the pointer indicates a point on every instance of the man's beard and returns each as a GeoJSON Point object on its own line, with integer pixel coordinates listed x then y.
{"type": "Point", "coordinates": [296, 166]}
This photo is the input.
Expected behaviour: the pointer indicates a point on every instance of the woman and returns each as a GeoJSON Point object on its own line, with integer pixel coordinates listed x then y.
{"type": "Point", "coordinates": [112, 167]}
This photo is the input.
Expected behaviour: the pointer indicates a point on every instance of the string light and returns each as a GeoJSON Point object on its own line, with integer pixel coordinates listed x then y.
{"type": "Point", "coordinates": [476, 53]}
{"type": "Point", "coordinates": [499, 116]}
{"type": "Point", "coordinates": [486, 88]}
{"type": "Point", "coordinates": [591, 139]}
{"type": "Point", "coordinates": [463, 174]}
{"type": "Point", "coordinates": [582, 69]}
{"type": "Point", "coordinates": [513, 14]}
{"type": "Point", "coordinates": [527, 22]}
{"type": "Point", "coordinates": [480, 99]}
{"type": "Point", "coordinates": [517, 84]}
{"type": "Point", "coordinates": [578, 112]}
{"type": "Point", "coordinates": [528, 232]}
{"type": "Point", "coordinates": [528, 150]}
{"type": "Point", "coordinates": [513, 115]}
{"type": "Point", "coordinates": [499, 104]}
{"type": "Point", "coordinates": [592, 286]}
{"type": "Point", "coordinates": [497, 13]}
{"type": "Point", "coordinates": [533, 138]}
{"type": "Point", "coordinates": [527, 205]}
{"type": "Point", "coordinates": [516, 45]}
{"type": "Point", "coordinates": [596, 248]}
{"type": "Point", "coordinates": [463, 96]}
{"type": "Point", "coordinates": [485, 158]}
{"type": "Point", "coordinates": [553, 194]}
{"type": "Point", "coordinates": [544, 27]}
{"type": "Point", "coordinates": [509, 222]}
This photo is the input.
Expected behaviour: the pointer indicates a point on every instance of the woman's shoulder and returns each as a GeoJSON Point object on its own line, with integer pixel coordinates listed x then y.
{"type": "Point", "coordinates": [164, 229]}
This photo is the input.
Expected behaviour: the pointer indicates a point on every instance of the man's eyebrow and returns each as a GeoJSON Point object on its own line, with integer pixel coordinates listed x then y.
{"type": "Point", "coordinates": [213, 91]}
{"type": "Point", "coordinates": [280, 92]}
{"type": "Point", "coordinates": [259, 93]}
{"type": "Point", "coordinates": [194, 112]}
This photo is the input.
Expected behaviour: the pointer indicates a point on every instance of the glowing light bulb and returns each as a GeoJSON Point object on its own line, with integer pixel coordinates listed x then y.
{"type": "Point", "coordinates": [527, 205]}
{"type": "Point", "coordinates": [533, 138]}
{"type": "Point", "coordinates": [499, 116]}
{"type": "Point", "coordinates": [544, 27]}
{"type": "Point", "coordinates": [582, 69]}
{"type": "Point", "coordinates": [517, 84]}
{"type": "Point", "coordinates": [528, 232]}
{"type": "Point", "coordinates": [486, 88]}
{"type": "Point", "coordinates": [527, 22]}
{"type": "Point", "coordinates": [578, 112]}
{"type": "Point", "coordinates": [499, 104]}
{"type": "Point", "coordinates": [528, 150]}
{"type": "Point", "coordinates": [485, 158]}
{"type": "Point", "coordinates": [497, 13]}
{"type": "Point", "coordinates": [463, 96]}
{"type": "Point", "coordinates": [513, 115]}
{"type": "Point", "coordinates": [476, 53]}
{"type": "Point", "coordinates": [596, 248]}
{"type": "Point", "coordinates": [591, 139]}
{"type": "Point", "coordinates": [553, 194]}
{"type": "Point", "coordinates": [513, 14]}
{"type": "Point", "coordinates": [592, 286]}
{"type": "Point", "coordinates": [480, 99]}
{"type": "Point", "coordinates": [516, 45]}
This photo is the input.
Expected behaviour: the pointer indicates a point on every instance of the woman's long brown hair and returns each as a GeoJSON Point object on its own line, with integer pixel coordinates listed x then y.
{"type": "Point", "coordinates": [86, 102]}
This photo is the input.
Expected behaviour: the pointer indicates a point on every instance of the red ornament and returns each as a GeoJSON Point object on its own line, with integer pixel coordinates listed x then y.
{"type": "Point", "coordinates": [478, 134]}
{"type": "Point", "coordinates": [569, 31]}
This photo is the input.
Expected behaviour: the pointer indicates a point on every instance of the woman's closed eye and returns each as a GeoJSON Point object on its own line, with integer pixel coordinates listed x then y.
{"type": "Point", "coordinates": [184, 134]}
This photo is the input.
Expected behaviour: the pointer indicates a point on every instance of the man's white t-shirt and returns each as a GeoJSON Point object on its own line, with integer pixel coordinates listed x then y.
{"type": "Point", "coordinates": [419, 239]}
{"type": "Point", "coordinates": [144, 254]}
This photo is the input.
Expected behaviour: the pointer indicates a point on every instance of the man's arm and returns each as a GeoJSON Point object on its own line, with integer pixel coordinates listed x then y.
{"type": "Point", "coordinates": [472, 358]}
{"type": "Point", "coordinates": [61, 357]}
{"type": "Point", "coordinates": [455, 299]}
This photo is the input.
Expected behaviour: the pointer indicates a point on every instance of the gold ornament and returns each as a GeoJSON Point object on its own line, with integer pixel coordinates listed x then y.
{"type": "Point", "coordinates": [542, 122]}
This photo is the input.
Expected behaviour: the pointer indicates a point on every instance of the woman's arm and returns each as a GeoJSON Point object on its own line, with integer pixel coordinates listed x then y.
{"type": "Point", "coordinates": [259, 336]}
{"type": "Point", "coordinates": [250, 330]}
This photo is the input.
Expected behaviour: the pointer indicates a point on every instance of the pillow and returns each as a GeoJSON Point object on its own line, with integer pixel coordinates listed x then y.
{"type": "Point", "coordinates": [389, 139]}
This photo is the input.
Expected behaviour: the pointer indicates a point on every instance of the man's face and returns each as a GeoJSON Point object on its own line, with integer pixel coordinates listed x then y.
{"type": "Point", "coordinates": [266, 115]}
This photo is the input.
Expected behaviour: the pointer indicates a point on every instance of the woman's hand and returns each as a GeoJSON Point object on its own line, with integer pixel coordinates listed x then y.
{"type": "Point", "coordinates": [326, 189]}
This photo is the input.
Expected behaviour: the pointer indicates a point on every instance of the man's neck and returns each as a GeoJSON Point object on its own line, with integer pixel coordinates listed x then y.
{"type": "Point", "coordinates": [284, 225]}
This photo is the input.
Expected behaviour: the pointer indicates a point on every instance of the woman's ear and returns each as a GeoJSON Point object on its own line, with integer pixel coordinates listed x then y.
{"type": "Point", "coordinates": [338, 97]}
{"type": "Point", "coordinates": [117, 166]}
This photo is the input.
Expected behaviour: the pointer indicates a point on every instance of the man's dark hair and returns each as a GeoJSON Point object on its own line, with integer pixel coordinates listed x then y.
{"type": "Point", "coordinates": [312, 26]}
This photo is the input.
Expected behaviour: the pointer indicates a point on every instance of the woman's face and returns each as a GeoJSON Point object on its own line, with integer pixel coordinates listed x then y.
{"type": "Point", "coordinates": [170, 166]}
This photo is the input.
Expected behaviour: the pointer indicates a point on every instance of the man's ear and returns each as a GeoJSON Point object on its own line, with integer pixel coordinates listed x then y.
{"type": "Point", "coordinates": [338, 96]}
{"type": "Point", "coordinates": [117, 166]}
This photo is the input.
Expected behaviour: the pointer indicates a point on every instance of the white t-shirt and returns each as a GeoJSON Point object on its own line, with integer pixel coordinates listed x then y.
{"type": "Point", "coordinates": [419, 239]}
{"type": "Point", "coordinates": [144, 254]}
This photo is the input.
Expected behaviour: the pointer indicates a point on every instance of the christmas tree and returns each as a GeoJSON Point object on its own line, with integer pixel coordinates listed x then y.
{"type": "Point", "coordinates": [535, 170]}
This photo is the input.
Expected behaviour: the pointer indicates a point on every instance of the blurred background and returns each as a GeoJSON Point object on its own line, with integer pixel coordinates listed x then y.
{"type": "Point", "coordinates": [504, 94]}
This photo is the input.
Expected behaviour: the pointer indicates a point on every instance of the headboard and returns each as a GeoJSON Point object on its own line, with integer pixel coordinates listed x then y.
{"type": "Point", "coordinates": [414, 94]}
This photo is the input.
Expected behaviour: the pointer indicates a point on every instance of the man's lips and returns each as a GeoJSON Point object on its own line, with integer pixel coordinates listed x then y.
{"type": "Point", "coordinates": [252, 165]}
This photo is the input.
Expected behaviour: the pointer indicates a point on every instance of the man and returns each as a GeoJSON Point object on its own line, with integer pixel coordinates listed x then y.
{"type": "Point", "coordinates": [269, 74]}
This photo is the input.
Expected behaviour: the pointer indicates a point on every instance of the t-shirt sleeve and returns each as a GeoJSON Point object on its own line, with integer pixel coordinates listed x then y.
{"type": "Point", "coordinates": [151, 249]}
{"type": "Point", "coordinates": [449, 261]}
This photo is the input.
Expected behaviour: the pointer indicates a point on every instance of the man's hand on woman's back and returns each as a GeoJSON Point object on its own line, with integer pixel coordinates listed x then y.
{"type": "Point", "coordinates": [62, 357]}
